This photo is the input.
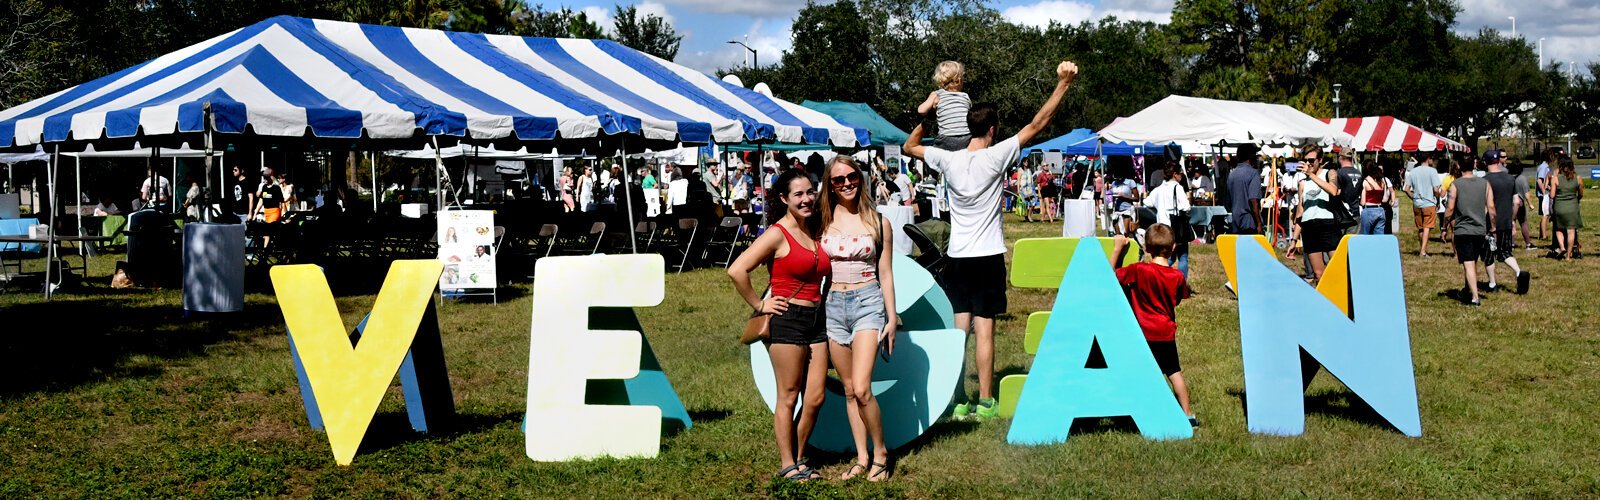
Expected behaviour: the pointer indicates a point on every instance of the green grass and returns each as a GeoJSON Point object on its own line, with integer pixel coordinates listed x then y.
{"type": "Point", "coordinates": [114, 393]}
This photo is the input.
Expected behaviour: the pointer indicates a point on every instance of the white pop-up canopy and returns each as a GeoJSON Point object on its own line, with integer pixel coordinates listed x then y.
{"type": "Point", "coordinates": [1210, 121]}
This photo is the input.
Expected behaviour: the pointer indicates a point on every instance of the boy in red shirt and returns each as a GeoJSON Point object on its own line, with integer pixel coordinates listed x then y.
{"type": "Point", "coordinates": [1154, 289]}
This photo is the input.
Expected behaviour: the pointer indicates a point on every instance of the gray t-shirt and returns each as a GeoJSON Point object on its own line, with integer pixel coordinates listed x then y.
{"type": "Point", "coordinates": [1244, 185]}
{"type": "Point", "coordinates": [1472, 206]}
{"type": "Point", "coordinates": [1504, 188]}
{"type": "Point", "coordinates": [1423, 181]}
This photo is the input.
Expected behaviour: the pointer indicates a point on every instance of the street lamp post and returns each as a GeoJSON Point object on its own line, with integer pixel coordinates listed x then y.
{"type": "Point", "coordinates": [1541, 53]}
{"type": "Point", "coordinates": [755, 62]}
{"type": "Point", "coordinates": [1336, 88]}
{"type": "Point", "coordinates": [1513, 25]}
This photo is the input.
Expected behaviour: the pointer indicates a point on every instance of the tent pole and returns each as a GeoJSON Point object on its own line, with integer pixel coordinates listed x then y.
{"type": "Point", "coordinates": [205, 193]}
{"type": "Point", "coordinates": [627, 191]}
{"type": "Point", "coordinates": [77, 185]}
{"type": "Point", "coordinates": [438, 173]}
{"type": "Point", "coordinates": [50, 232]}
{"type": "Point", "coordinates": [174, 178]}
{"type": "Point", "coordinates": [374, 158]}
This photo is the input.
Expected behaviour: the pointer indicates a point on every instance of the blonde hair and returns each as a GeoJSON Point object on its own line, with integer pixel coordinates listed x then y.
{"type": "Point", "coordinates": [948, 73]}
{"type": "Point", "coordinates": [866, 207]}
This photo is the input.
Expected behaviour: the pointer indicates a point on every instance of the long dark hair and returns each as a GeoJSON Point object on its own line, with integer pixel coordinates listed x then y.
{"type": "Point", "coordinates": [776, 208]}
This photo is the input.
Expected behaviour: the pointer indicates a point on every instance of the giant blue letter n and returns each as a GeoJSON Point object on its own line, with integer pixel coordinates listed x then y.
{"type": "Point", "coordinates": [1366, 346]}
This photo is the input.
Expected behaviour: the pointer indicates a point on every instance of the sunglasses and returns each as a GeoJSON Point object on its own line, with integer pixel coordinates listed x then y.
{"type": "Point", "coordinates": [850, 178]}
{"type": "Point", "coordinates": [1312, 159]}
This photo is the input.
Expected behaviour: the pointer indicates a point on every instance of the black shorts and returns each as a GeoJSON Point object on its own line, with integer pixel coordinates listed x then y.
{"type": "Point", "coordinates": [1320, 235]}
{"type": "Point", "coordinates": [1049, 191]}
{"type": "Point", "coordinates": [976, 285]}
{"type": "Point", "coordinates": [799, 325]}
{"type": "Point", "coordinates": [1166, 352]}
{"type": "Point", "coordinates": [1502, 248]}
{"type": "Point", "coordinates": [1471, 247]}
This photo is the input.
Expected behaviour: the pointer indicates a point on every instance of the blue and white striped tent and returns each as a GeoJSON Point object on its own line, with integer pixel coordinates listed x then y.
{"type": "Point", "coordinates": [295, 77]}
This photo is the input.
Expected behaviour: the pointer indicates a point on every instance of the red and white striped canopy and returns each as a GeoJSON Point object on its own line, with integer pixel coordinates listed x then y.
{"type": "Point", "coordinates": [1385, 133]}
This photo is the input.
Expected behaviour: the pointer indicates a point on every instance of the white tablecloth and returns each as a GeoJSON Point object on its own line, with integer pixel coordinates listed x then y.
{"type": "Point", "coordinates": [899, 216]}
{"type": "Point", "coordinates": [1077, 218]}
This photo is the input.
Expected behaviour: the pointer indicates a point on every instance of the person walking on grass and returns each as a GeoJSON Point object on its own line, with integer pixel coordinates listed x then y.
{"type": "Point", "coordinates": [797, 263]}
{"type": "Point", "coordinates": [1245, 193]}
{"type": "Point", "coordinates": [975, 278]}
{"type": "Point", "coordinates": [1469, 207]}
{"type": "Point", "coordinates": [1566, 191]}
{"type": "Point", "coordinates": [1374, 196]}
{"type": "Point", "coordinates": [1422, 185]}
{"type": "Point", "coordinates": [860, 307]}
{"type": "Point", "coordinates": [1503, 185]}
{"type": "Point", "coordinates": [1154, 290]}
{"type": "Point", "coordinates": [1542, 184]}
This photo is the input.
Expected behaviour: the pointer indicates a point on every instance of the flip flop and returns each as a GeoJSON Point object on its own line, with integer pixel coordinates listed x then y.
{"type": "Point", "coordinates": [852, 472]}
{"type": "Point", "coordinates": [883, 470]}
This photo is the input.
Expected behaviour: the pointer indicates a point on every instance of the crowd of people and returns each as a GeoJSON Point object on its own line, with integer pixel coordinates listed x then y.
{"type": "Point", "coordinates": [830, 298]}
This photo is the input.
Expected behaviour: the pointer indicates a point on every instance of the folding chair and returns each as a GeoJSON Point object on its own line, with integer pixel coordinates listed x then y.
{"type": "Point", "coordinates": [688, 228]}
{"type": "Point", "coordinates": [928, 254]}
{"type": "Point", "coordinates": [725, 236]}
{"type": "Point", "coordinates": [597, 234]}
{"type": "Point", "coordinates": [644, 235]}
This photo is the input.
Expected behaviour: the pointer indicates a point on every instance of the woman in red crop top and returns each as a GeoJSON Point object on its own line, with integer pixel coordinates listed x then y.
{"type": "Point", "coordinates": [797, 264]}
{"type": "Point", "coordinates": [860, 309]}
{"type": "Point", "coordinates": [1374, 197]}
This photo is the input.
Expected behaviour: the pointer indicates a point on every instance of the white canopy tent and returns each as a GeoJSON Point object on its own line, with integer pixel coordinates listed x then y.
{"type": "Point", "coordinates": [1210, 121]}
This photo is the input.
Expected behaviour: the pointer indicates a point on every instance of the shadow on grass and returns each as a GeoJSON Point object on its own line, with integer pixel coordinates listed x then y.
{"type": "Point", "coordinates": [1340, 403]}
{"type": "Point", "coordinates": [76, 340]}
{"type": "Point", "coordinates": [391, 429]}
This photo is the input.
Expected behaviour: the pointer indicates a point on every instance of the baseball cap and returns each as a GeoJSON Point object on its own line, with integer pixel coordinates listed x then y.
{"type": "Point", "coordinates": [1491, 156]}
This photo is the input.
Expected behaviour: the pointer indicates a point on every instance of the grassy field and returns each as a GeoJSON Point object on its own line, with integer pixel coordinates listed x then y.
{"type": "Point", "coordinates": [110, 393]}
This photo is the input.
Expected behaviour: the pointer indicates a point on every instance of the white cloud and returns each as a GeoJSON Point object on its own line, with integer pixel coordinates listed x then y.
{"type": "Point", "coordinates": [1069, 12]}
{"type": "Point", "coordinates": [770, 37]}
{"type": "Point", "coordinates": [758, 8]}
{"type": "Point", "coordinates": [1566, 25]}
{"type": "Point", "coordinates": [600, 16]}
{"type": "Point", "coordinates": [1041, 14]}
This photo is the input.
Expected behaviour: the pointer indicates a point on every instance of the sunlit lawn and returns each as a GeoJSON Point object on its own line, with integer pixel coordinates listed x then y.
{"type": "Point", "coordinates": [115, 393]}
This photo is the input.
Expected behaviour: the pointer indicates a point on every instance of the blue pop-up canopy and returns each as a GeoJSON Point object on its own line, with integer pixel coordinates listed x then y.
{"type": "Point", "coordinates": [1060, 143]}
{"type": "Point", "coordinates": [1091, 146]}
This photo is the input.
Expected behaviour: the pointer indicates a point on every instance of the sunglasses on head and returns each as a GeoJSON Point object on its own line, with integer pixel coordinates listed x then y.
{"type": "Point", "coordinates": [851, 178]}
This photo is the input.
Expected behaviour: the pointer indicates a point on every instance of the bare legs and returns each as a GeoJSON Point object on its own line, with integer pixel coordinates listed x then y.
{"type": "Point", "coordinates": [1318, 263]}
{"type": "Point", "coordinates": [1180, 388]}
{"type": "Point", "coordinates": [983, 328]}
{"type": "Point", "coordinates": [1571, 240]}
{"type": "Point", "coordinates": [1422, 235]}
{"type": "Point", "coordinates": [1472, 278]}
{"type": "Point", "coordinates": [854, 364]}
{"type": "Point", "coordinates": [796, 368]}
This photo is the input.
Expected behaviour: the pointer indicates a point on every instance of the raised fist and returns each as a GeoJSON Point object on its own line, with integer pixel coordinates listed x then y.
{"type": "Point", "coordinates": [1067, 71]}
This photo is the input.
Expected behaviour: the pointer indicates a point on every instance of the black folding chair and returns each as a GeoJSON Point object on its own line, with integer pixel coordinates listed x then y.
{"type": "Point", "coordinates": [597, 234]}
{"type": "Point", "coordinates": [688, 228]}
{"type": "Point", "coordinates": [724, 237]}
{"type": "Point", "coordinates": [644, 235]}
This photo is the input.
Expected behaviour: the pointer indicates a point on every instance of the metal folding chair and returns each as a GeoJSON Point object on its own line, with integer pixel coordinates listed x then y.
{"type": "Point", "coordinates": [928, 254]}
{"type": "Point", "coordinates": [724, 237]}
{"type": "Point", "coordinates": [597, 234]}
{"type": "Point", "coordinates": [688, 228]}
{"type": "Point", "coordinates": [644, 235]}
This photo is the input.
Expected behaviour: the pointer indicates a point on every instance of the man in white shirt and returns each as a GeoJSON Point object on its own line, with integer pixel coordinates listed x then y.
{"type": "Point", "coordinates": [975, 278]}
{"type": "Point", "coordinates": [1167, 200]}
{"type": "Point", "coordinates": [162, 195]}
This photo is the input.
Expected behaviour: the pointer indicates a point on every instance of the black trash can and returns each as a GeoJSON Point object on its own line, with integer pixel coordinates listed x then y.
{"type": "Point", "coordinates": [153, 258]}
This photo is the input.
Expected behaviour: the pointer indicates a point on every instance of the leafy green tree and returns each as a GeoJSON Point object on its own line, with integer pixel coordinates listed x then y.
{"type": "Point", "coordinates": [32, 44]}
{"type": "Point", "coordinates": [1498, 78]}
{"type": "Point", "coordinates": [564, 23]}
{"type": "Point", "coordinates": [650, 34]}
{"type": "Point", "coordinates": [827, 60]}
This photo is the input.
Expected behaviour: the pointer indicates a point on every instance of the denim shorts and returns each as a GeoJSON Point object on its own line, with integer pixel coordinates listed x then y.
{"type": "Point", "coordinates": [851, 311]}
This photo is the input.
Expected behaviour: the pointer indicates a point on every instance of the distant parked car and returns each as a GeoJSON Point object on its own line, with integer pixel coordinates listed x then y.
{"type": "Point", "coordinates": [1586, 152]}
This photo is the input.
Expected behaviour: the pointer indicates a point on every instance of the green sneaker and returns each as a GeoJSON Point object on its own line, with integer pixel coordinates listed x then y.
{"type": "Point", "coordinates": [987, 410]}
{"type": "Point", "coordinates": [963, 412]}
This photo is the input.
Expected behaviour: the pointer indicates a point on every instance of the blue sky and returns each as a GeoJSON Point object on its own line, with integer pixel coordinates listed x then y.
{"type": "Point", "coordinates": [1568, 27]}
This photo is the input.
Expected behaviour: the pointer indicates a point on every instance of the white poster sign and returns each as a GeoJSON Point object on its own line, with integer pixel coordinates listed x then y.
{"type": "Point", "coordinates": [466, 246]}
{"type": "Point", "coordinates": [1053, 158]}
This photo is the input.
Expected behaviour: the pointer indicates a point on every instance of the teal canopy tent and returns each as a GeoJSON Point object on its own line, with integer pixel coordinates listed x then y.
{"type": "Point", "coordinates": [855, 114]}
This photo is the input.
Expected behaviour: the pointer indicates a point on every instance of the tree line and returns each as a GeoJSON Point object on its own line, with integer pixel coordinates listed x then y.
{"type": "Point", "coordinates": [1390, 57]}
